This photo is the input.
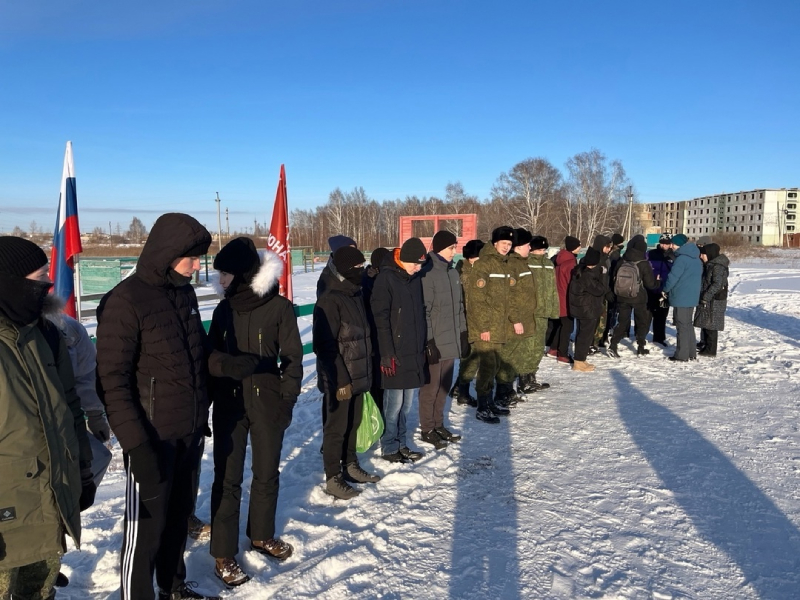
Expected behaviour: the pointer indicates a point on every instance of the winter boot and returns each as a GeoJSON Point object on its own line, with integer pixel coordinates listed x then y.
{"type": "Point", "coordinates": [642, 351]}
{"type": "Point", "coordinates": [527, 384]}
{"type": "Point", "coordinates": [431, 437]}
{"type": "Point", "coordinates": [539, 385]}
{"type": "Point", "coordinates": [184, 592]}
{"type": "Point", "coordinates": [412, 455]}
{"type": "Point", "coordinates": [582, 366]}
{"type": "Point", "coordinates": [552, 352]}
{"type": "Point", "coordinates": [460, 393]}
{"type": "Point", "coordinates": [337, 487]}
{"type": "Point", "coordinates": [484, 412]}
{"type": "Point", "coordinates": [355, 474]}
{"type": "Point", "coordinates": [273, 548]}
{"type": "Point", "coordinates": [565, 360]}
{"type": "Point", "coordinates": [507, 396]}
{"type": "Point", "coordinates": [61, 580]}
{"type": "Point", "coordinates": [446, 434]}
{"type": "Point", "coordinates": [612, 351]}
{"type": "Point", "coordinates": [198, 530]}
{"type": "Point", "coordinates": [229, 571]}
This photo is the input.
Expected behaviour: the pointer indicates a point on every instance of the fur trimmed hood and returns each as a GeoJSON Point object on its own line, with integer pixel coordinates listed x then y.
{"type": "Point", "coordinates": [264, 281]}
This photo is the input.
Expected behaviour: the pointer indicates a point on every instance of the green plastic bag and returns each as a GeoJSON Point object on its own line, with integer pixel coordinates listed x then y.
{"type": "Point", "coordinates": [370, 429]}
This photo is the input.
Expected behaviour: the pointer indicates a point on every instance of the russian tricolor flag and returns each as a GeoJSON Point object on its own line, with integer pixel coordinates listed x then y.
{"type": "Point", "coordinates": [67, 237]}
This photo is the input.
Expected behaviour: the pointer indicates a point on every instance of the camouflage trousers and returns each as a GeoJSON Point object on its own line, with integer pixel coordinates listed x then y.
{"type": "Point", "coordinates": [538, 344]}
{"type": "Point", "coordinates": [30, 582]}
{"type": "Point", "coordinates": [523, 354]}
{"type": "Point", "coordinates": [495, 361]}
{"type": "Point", "coordinates": [600, 332]}
{"type": "Point", "coordinates": [468, 367]}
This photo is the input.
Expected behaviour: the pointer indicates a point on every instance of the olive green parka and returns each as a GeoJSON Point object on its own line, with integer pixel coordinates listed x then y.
{"type": "Point", "coordinates": [43, 440]}
{"type": "Point", "coordinates": [489, 296]}
{"type": "Point", "coordinates": [544, 277]}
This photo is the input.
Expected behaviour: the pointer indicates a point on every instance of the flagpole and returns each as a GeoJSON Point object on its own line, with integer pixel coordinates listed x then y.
{"type": "Point", "coordinates": [78, 286]}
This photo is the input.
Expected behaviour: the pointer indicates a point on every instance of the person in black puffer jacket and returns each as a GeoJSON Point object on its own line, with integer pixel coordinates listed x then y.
{"type": "Point", "coordinates": [635, 253]}
{"type": "Point", "coordinates": [376, 260]}
{"type": "Point", "coordinates": [252, 319]}
{"type": "Point", "coordinates": [399, 312]}
{"type": "Point", "coordinates": [152, 366]}
{"type": "Point", "coordinates": [344, 371]}
{"type": "Point", "coordinates": [586, 292]}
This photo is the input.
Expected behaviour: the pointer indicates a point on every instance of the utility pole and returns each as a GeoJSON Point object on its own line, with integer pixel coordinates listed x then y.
{"type": "Point", "coordinates": [227, 224]}
{"type": "Point", "coordinates": [629, 217]}
{"type": "Point", "coordinates": [219, 223]}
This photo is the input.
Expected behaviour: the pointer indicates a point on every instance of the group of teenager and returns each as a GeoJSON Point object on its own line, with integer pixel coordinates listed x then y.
{"type": "Point", "coordinates": [392, 326]}
{"type": "Point", "coordinates": [607, 286]}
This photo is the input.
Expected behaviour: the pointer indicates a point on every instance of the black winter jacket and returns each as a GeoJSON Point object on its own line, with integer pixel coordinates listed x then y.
{"type": "Point", "coordinates": [645, 274]}
{"type": "Point", "coordinates": [341, 339]}
{"type": "Point", "coordinates": [586, 291]}
{"type": "Point", "coordinates": [258, 321]}
{"type": "Point", "coordinates": [151, 344]}
{"type": "Point", "coordinates": [399, 313]}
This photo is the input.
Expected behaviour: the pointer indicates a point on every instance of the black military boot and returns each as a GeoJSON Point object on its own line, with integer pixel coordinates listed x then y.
{"type": "Point", "coordinates": [460, 393]}
{"type": "Point", "coordinates": [527, 384]}
{"type": "Point", "coordinates": [537, 384]}
{"type": "Point", "coordinates": [484, 412]}
{"type": "Point", "coordinates": [506, 396]}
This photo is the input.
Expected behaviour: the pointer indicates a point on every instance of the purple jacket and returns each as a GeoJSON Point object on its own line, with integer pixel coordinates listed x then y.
{"type": "Point", "coordinates": [662, 264]}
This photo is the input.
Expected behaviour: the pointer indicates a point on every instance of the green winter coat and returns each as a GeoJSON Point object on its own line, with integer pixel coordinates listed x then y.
{"type": "Point", "coordinates": [522, 301]}
{"type": "Point", "coordinates": [544, 277]}
{"type": "Point", "coordinates": [467, 273]}
{"type": "Point", "coordinates": [489, 298]}
{"type": "Point", "coordinates": [42, 442]}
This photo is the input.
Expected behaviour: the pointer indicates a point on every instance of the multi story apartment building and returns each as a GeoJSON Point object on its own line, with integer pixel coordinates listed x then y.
{"type": "Point", "coordinates": [764, 217]}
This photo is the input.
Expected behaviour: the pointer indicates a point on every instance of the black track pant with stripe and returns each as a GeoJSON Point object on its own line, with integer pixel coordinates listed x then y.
{"type": "Point", "coordinates": [156, 521]}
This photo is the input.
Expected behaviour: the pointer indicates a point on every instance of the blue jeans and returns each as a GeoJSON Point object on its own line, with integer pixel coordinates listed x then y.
{"type": "Point", "coordinates": [396, 407]}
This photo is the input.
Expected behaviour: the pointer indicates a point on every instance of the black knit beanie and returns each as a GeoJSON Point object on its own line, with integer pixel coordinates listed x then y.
{"type": "Point", "coordinates": [19, 256]}
{"type": "Point", "coordinates": [523, 237]}
{"type": "Point", "coordinates": [503, 234]}
{"type": "Point", "coordinates": [239, 257]}
{"type": "Point", "coordinates": [617, 239]}
{"type": "Point", "coordinates": [443, 239]}
{"type": "Point", "coordinates": [413, 251]}
{"type": "Point", "coordinates": [638, 243]}
{"type": "Point", "coordinates": [347, 257]}
{"type": "Point", "coordinates": [378, 255]}
{"type": "Point", "coordinates": [710, 250]}
{"type": "Point", "coordinates": [571, 243]}
{"type": "Point", "coordinates": [472, 249]}
{"type": "Point", "coordinates": [592, 257]}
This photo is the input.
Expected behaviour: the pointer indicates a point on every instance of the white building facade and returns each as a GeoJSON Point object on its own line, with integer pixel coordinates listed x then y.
{"type": "Point", "coordinates": [763, 217]}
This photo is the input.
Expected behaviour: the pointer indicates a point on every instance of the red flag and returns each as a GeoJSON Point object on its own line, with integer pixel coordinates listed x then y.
{"type": "Point", "coordinates": [278, 240]}
{"type": "Point", "coordinates": [66, 237]}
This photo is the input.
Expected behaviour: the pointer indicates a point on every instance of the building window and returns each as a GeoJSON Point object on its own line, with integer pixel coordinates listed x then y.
{"type": "Point", "coordinates": [752, 207]}
{"type": "Point", "coordinates": [736, 209]}
{"type": "Point", "coordinates": [759, 207]}
{"type": "Point", "coordinates": [729, 209]}
{"type": "Point", "coordinates": [741, 228]}
{"type": "Point", "coordinates": [761, 194]}
{"type": "Point", "coordinates": [758, 227]}
{"type": "Point", "coordinates": [758, 239]}
{"type": "Point", "coordinates": [790, 228]}
{"type": "Point", "coordinates": [792, 194]}
{"type": "Point", "coordinates": [750, 228]}
{"type": "Point", "coordinates": [727, 219]}
{"type": "Point", "coordinates": [752, 196]}
{"type": "Point", "coordinates": [791, 206]}
{"type": "Point", "coordinates": [751, 217]}
{"type": "Point", "coordinates": [715, 211]}
{"type": "Point", "coordinates": [791, 217]}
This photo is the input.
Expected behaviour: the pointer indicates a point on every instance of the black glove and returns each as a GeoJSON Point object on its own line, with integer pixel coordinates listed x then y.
{"type": "Point", "coordinates": [98, 425]}
{"type": "Point", "coordinates": [240, 367]}
{"type": "Point", "coordinates": [88, 486]}
{"type": "Point", "coordinates": [610, 297]}
{"type": "Point", "coordinates": [145, 464]}
{"type": "Point", "coordinates": [432, 352]}
{"type": "Point", "coordinates": [465, 348]}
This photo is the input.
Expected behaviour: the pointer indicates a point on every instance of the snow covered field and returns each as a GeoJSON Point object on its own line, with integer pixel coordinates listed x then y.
{"type": "Point", "coordinates": [644, 479]}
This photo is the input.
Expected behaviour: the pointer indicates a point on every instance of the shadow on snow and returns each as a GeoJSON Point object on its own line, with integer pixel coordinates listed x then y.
{"type": "Point", "coordinates": [725, 506]}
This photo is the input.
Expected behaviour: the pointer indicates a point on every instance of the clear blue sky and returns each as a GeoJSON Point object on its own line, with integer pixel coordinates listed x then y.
{"type": "Point", "coordinates": [167, 103]}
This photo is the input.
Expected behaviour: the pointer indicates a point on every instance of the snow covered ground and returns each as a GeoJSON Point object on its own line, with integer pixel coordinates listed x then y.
{"type": "Point", "coordinates": [644, 479]}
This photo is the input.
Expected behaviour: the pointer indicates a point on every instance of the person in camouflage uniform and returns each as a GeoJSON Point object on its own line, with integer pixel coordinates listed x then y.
{"type": "Point", "coordinates": [522, 347]}
{"type": "Point", "coordinates": [468, 365]}
{"type": "Point", "coordinates": [489, 309]}
{"type": "Point", "coordinates": [544, 279]}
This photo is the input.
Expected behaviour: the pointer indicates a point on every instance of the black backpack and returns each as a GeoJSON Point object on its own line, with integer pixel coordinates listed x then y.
{"type": "Point", "coordinates": [628, 280]}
